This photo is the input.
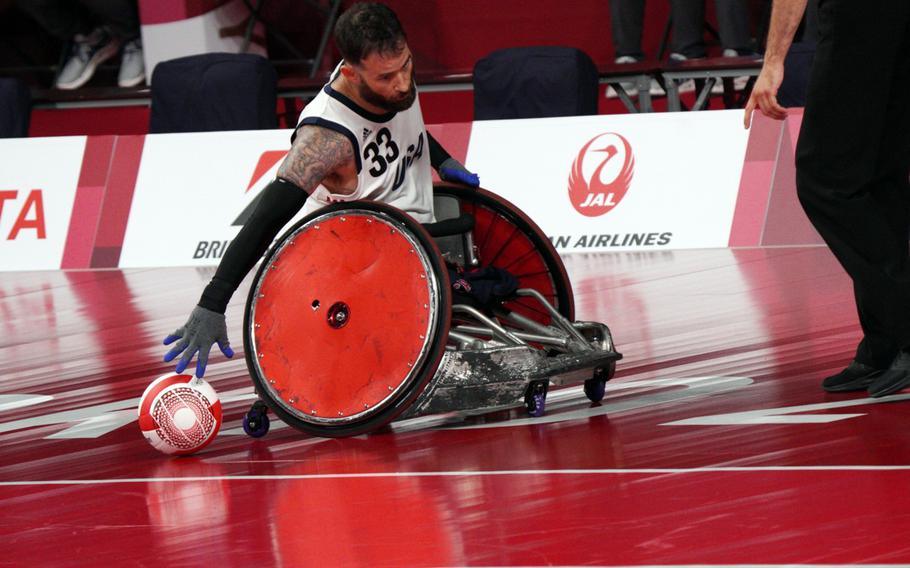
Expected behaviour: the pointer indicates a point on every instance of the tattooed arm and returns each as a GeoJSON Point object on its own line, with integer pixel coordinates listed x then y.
{"type": "Point", "coordinates": [316, 154]}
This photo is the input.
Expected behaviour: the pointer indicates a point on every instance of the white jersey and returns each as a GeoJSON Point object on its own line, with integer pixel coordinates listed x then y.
{"type": "Point", "coordinates": [391, 152]}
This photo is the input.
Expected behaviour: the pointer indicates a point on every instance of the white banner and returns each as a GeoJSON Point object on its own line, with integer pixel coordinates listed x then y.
{"type": "Point", "coordinates": [625, 182]}
{"type": "Point", "coordinates": [38, 179]}
{"type": "Point", "coordinates": [595, 183]}
{"type": "Point", "coordinates": [193, 191]}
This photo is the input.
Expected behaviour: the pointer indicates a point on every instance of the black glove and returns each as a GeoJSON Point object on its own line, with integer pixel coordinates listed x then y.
{"type": "Point", "coordinates": [203, 329]}
{"type": "Point", "coordinates": [452, 170]}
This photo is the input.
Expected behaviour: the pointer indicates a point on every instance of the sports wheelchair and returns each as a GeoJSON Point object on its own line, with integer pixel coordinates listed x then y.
{"type": "Point", "coordinates": [350, 322]}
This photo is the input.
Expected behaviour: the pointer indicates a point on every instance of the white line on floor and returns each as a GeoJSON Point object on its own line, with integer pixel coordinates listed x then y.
{"type": "Point", "coordinates": [657, 471]}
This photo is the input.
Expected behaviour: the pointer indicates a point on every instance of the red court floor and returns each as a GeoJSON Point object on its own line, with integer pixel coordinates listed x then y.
{"type": "Point", "coordinates": [714, 444]}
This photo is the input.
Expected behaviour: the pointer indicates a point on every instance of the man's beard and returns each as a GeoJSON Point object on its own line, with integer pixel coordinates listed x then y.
{"type": "Point", "coordinates": [390, 105]}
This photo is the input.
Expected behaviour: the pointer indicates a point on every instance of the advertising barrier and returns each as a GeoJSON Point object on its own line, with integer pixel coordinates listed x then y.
{"type": "Point", "coordinates": [618, 182]}
{"type": "Point", "coordinates": [38, 181]}
{"type": "Point", "coordinates": [600, 183]}
{"type": "Point", "coordinates": [193, 193]}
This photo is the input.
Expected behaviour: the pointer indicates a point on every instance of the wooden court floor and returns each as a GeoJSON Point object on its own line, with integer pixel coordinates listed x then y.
{"type": "Point", "coordinates": [714, 445]}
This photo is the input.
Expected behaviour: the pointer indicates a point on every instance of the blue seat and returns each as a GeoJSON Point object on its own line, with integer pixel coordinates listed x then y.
{"type": "Point", "coordinates": [15, 108]}
{"type": "Point", "coordinates": [214, 92]}
{"type": "Point", "coordinates": [535, 82]}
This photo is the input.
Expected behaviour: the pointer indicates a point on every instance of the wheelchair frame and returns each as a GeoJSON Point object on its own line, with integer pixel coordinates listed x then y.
{"type": "Point", "coordinates": [471, 359]}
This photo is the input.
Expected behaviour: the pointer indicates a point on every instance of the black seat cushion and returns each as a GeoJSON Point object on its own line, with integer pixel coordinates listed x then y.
{"type": "Point", "coordinates": [15, 108]}
{"type": "Point", "coordinates": [535, 82]}
{"type": "Point", "coordinates": [214, 91]}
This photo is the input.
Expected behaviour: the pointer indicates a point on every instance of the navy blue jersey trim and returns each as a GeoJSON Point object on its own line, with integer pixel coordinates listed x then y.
{"type": "Point", "coordinates": [317, 121]}
{"type": "Point", "coordinates": [346, 101]}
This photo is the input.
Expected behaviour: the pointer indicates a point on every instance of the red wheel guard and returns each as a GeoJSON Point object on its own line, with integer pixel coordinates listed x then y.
{"type": "Point", "coordinates": [342, 317]}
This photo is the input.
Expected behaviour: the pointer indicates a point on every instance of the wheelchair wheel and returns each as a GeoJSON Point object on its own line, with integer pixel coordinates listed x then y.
{"type": "Point", "coordinates": [506, 238]}
{"type": "Point", "coordinates": [347, 319]}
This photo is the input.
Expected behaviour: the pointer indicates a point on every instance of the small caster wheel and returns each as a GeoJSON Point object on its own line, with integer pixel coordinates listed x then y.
{"type": "Point", "coordinates": [536, 399]}
{"type": "Point", "coordinates": [256, 421]}
{"type": "Point", "coordinates": [595, 388]}
{"type": "Point", "coordinates": [597, 384]}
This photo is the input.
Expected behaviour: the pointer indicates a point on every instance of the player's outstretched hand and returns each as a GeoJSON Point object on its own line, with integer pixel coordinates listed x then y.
{"type": "Point", "coordinates": [203, 329]}
{"type": "Point", "coordinates": [452, 170]}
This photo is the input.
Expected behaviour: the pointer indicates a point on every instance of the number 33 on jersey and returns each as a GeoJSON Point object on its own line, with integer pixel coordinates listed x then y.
{"type": "Point", "coordinates": [393, 164]}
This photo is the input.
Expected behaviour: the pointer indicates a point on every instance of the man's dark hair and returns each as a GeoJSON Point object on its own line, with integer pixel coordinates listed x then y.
{"type": "Point", "coordinates": [365, 28]}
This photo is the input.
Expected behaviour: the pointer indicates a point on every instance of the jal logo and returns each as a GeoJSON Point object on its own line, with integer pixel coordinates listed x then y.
{"type": "Point", "coordinates": [601, 174]}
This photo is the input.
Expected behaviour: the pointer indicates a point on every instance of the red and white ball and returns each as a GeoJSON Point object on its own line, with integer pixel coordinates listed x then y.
{"type": "Point", "coordinates": [179, 414]}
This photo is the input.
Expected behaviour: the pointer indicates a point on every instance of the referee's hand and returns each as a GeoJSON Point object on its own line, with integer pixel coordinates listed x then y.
{"type": "Point", "coordinates": [764, 94]}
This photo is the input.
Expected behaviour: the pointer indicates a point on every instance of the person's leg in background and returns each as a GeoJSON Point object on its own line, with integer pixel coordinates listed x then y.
{"type": "Point", "coordinates": [735, 37]}
{"type": "Point", "coordinates": [733, 27]}
{"type": "Point", "coordinates": [121, 17]}
{"type": "Point", "coordinates": [687, 40]}
{"type": "Point", "coordinates": [627, 19]}
{"type": "Point", "coordinates": [852, 170]}
{"type": "Point", "coordinates": [88, 46]}
{"type": "Point", "coordinates": [60, 18]}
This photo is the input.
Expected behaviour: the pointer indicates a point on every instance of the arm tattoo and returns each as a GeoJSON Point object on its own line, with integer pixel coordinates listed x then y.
{"type": "Point", "coordinates": [315, 154]}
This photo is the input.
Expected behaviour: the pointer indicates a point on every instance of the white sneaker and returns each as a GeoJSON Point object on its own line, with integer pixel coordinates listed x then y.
{"type": "Point", "coordinates": [688, 85]}
{"type": "Point", "coordinates": [628, 86]}
{"type": "Point", "coordinates": [88, 52]}
{"type": "Point", "coordinates": [132, 67]}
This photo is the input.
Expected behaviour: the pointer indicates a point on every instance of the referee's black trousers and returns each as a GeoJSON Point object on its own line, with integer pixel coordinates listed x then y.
{"type": "Point", "coordinates": [853, 161]}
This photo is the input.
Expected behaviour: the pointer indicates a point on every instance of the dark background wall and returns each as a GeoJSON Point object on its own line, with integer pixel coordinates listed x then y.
{"type": "Point", "coordinates": [447, 36]}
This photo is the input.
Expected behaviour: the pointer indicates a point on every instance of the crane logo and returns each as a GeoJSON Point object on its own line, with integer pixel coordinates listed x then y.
{"type": "Point", "coordinates": [601, 174]}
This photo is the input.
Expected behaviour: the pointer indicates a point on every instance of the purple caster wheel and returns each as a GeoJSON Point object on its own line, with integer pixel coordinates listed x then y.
{"type": "Point", "coordinates": [594, 389]}
{"type": "Point", "coordinates": [597, 385]}
{"type": "Point", "coordinates": [536, 398]}
{"type": "Point", "coordinates": [256, 421]}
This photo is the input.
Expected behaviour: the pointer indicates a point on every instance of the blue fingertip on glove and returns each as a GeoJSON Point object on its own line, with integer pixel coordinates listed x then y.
{"type": "Point", "coordinates": [228, 352]}
{"type": "Point", "coordinates": [460, 176]}
{"type": "Point", "coordinates": [452, 170]}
